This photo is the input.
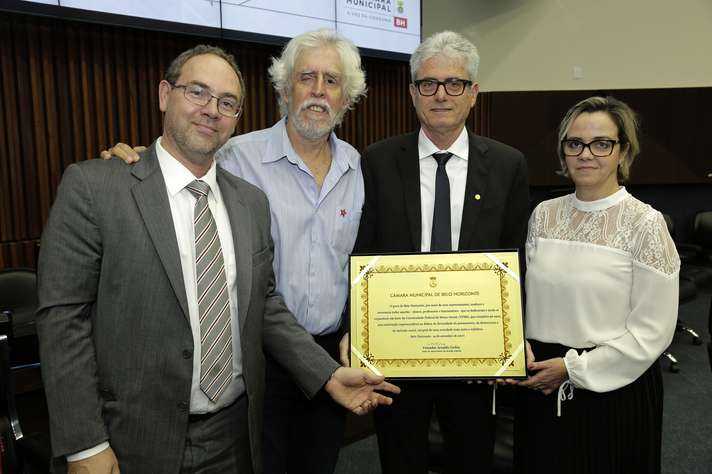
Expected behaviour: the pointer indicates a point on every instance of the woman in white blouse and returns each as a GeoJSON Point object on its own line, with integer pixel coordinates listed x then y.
{"type": "Point", "coordinates": [602, 296]}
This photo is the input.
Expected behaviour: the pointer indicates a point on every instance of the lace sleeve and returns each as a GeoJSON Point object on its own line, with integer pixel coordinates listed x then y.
{"type": "Point", "coordinates": [533, 231]}
{"type": "Point", "coordinates": [536, 224]}
{"type": "Point", "coordinates": [653, 245]}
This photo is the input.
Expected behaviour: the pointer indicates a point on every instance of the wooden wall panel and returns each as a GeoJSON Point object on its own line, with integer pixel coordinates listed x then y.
{"type": "Point", "coordinates": [18, 254]}
{"type": "Point", "coordinates": [675, 124]}
{"type": "Point", "coordinates": [386, 110]}
{"type": "Point", "coordinates": [69, 90]}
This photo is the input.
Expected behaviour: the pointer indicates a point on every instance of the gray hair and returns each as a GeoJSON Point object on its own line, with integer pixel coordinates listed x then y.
{"type": "Point", "coordinates": [282, 68]}
{"type": "Point", "coordinates": [450, 44]}
{"type": "Point", "coordinates": [622, 115]}
{"type": "Point", "coordinates": [174, 69]}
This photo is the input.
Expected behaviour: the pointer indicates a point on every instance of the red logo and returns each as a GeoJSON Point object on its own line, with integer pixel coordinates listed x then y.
{"type": "Point", "coordinates": [342, 212]}
{"type": "Point", "coordinates": [399, 22]}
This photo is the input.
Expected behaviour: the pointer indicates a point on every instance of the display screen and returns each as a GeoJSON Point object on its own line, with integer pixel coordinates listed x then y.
{"type": "Point", "coordinates": [391, 26]}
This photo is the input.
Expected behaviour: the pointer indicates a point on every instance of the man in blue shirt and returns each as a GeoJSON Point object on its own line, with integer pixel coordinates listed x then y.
{"type": "Point", "coordinates": [315, 188]}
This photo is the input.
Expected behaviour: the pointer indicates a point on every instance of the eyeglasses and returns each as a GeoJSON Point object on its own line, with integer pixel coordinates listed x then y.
{"type": "Point", "coordinates": [599, 148]}
{"type": "Point", "coordinates": [199, 95]}
{"type": "Point", "coordinates": [453, 86]}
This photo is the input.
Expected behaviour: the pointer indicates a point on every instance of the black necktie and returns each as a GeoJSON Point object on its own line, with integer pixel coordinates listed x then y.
{"type": "Point", "coordinates": [441, 239]}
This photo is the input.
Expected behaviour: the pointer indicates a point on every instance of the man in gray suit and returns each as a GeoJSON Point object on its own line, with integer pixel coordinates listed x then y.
{"type": "Point", "coordinates": [157, 298]}
{"type": "Point", "coordinates": [314, 185]}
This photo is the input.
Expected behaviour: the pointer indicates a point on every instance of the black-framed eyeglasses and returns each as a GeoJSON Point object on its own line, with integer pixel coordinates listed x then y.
{"type": "Point", "coordinates": [599, 148]}
{"type": "Point", "coordinates": [196, 94]}
{"type": "Point", "coordinates": [453, 86]}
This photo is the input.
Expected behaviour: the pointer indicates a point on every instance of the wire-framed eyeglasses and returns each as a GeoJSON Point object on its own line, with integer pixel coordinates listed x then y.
{"type": "Point", "coordinates": [228, 106]}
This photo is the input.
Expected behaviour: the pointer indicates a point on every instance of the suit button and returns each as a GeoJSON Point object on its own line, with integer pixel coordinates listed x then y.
{"type": "Point", "coordinates": [187, 354]}
{"type": "Point", "coordinates": [183, 406]}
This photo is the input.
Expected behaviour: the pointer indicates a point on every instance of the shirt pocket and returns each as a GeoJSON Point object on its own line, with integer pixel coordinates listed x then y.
{"type": "Point", "coordinates": [343, 234]}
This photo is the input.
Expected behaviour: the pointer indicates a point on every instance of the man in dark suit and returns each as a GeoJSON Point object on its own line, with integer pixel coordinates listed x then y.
{"type": "Point", "coordinates": [441, 188]}
{"type": "Point", "coordinates": [157, 297]}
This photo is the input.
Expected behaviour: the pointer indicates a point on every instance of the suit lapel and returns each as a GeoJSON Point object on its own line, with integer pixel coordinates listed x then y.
{"type": "Point", "coordinates": [241, 225]}
{"type": "Point", "coordinates": [409, 169]}
{"type": "Point", "coordinates": [152, 201]}
{"type": "Point", "coordinates": [477, 170]}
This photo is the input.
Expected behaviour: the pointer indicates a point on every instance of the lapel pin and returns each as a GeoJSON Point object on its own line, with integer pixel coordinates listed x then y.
{"type": "Point", "coordinates": [478, 197]}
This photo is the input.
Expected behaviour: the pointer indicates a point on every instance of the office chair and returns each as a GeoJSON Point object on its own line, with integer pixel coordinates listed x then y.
{"type": "Point", "coordinates": [696, 256]}
{"type": "Point", "coordinates": [709, 328]}
{"type": "Point", "coordinates": [10, 431]}
{"type": "Point", "coordinates": [688, 292]}
{"type": "Point", "coordinates": [703, 235]}
{"type": "Point", "coordinates": [18, 301]}
{"type": "Point", "coordinates": [21, 394]}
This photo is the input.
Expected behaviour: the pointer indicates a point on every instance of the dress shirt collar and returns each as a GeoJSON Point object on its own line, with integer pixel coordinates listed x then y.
{"type": "Point", "coordinates": [600, 204]}
{"type": "Point", "coordinates": [460, 147]}
{"type": "Point", "coordinates": [177, 176]}
{"type": "Point", "coordinates": [280, 147]}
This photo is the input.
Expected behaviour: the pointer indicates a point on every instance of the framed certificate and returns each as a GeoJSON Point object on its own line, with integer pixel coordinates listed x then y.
{"type": "Point", "coordinates": [430, 315]}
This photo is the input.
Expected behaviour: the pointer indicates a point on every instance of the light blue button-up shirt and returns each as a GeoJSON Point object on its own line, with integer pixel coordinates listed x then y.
{"type": "Point", "coordinates": [313, 230]}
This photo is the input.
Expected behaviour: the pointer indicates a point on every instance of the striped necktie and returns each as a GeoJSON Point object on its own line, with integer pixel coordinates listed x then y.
{"type": "Point", "coordinates": [213, 300]}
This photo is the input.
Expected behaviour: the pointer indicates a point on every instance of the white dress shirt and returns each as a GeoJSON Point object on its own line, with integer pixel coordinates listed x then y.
{"type": "Point", "coordinates": [182, 203]}
{"type": "Point", "coordinates": [456, 168]}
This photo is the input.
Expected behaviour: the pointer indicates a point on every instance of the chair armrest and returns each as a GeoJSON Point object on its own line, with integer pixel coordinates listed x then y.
{"type": "Point", "coordinates": [8, 407]}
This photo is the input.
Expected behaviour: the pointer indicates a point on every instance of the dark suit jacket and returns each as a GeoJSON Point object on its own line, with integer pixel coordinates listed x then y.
{"type": "Point", "coordinates": [391, 219]}
{"type": "Point", "coordinates": [113, 324]}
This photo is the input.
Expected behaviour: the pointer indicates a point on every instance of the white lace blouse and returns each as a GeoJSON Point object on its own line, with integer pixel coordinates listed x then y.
{"type": "Point", "coordinates": [602, 275]}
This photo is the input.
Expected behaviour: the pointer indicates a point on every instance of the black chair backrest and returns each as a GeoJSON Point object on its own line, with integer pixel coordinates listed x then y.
{"type": "Point", "coordinates": [703, 228]}
{"type": "Point", "coordinates": [670, 224]}
{"type": "Point", "coordinates": [18, 288]}
{"type": "Point", "coordinates": [18, 298]}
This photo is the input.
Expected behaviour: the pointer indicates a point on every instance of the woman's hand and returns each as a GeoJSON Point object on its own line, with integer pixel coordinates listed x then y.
{"type": "Point", "coordinates": [530, 360]}
{"type": "Point", "coordinates": [550, 374]}
{"type": "Point", "coordinates": [530, 355]}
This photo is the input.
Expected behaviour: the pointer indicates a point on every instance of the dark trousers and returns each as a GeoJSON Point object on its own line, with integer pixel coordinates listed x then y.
{"type": "Point", "coordinates": [219, 443]}
{"type": "Point", "coordinates": [300, 435]}
{"type": "Point", "coordinates": [464, 412]}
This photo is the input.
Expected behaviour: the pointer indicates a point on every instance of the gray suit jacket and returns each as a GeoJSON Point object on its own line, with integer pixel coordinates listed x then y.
{"type": "Point", "coordinates": [115, 339]}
